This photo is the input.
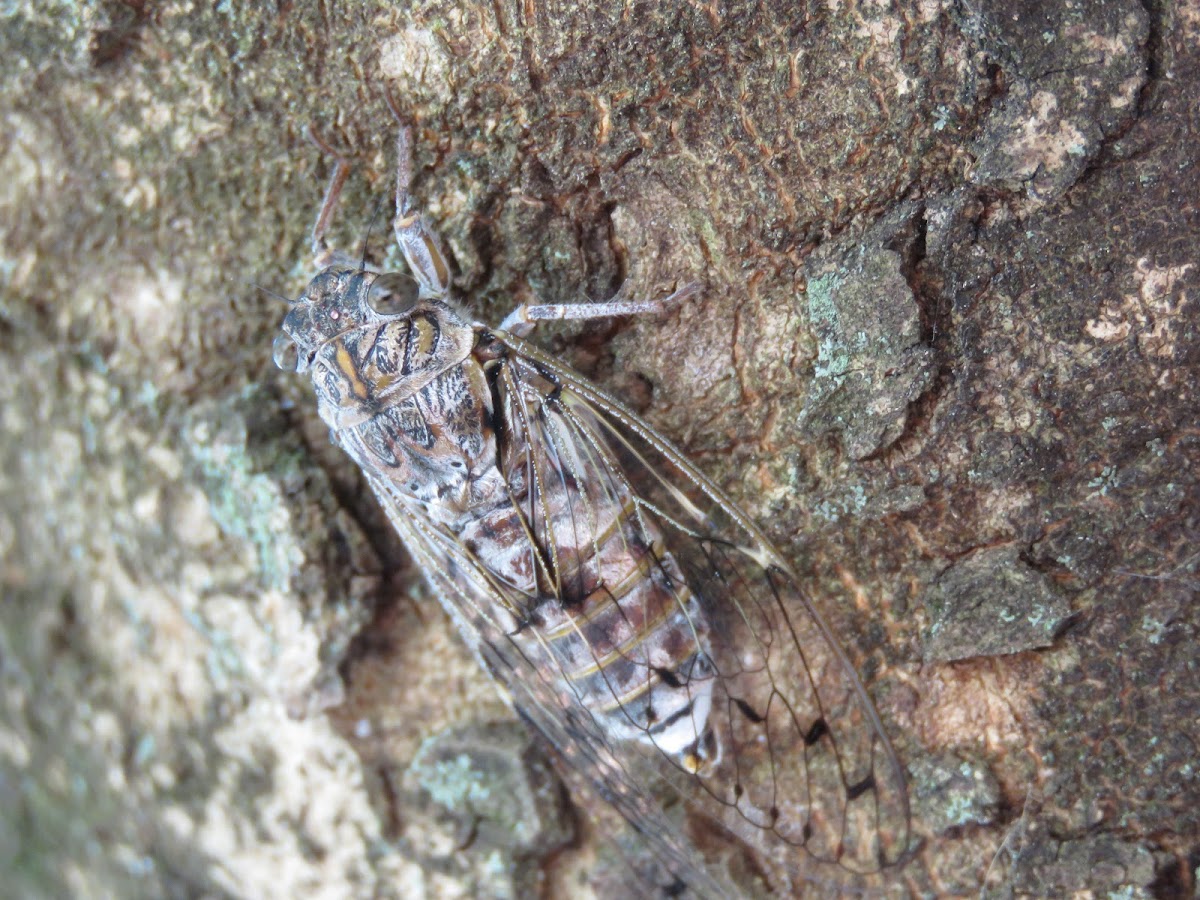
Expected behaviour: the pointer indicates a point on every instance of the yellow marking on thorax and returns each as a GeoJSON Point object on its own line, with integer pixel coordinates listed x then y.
{"type": "Point", "coordinates": [426, 335]}
{"type": "Point", "coordinates": [346, 364]}
{"type": "Point", "coordinates": [383, 382]}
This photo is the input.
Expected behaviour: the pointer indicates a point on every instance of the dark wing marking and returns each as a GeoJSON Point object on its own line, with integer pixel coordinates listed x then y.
{"type": "Point", "coordinates": [805, 761]}
{"type": "Point", "coordinates": [489, 613]}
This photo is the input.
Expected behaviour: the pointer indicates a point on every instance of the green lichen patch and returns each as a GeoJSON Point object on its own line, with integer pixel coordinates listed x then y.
{"type": "Point", "coordinates": [488, 789]}
{"type": "Point", "coordinates": [951, 792]}
{"type": "Point", "coordinates": [990, 603]}
{"type": "Point", "coordinates": [872, 361]}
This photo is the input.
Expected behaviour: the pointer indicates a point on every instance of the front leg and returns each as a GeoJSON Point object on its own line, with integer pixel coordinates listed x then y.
{"type": "Point", "coordinates": [421, 246]}
{"type": "Point", "coordinates": [323, 255]}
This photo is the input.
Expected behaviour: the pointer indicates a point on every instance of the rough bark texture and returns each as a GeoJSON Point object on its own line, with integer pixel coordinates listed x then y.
{"type": "Point", "coordinates": [947, 350]}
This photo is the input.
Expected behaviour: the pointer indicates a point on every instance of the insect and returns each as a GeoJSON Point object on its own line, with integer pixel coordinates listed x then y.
{"type": "Point", "coordinates": [640, 620]}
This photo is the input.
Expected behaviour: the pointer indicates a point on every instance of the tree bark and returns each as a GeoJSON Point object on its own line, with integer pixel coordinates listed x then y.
{"type": "Point", "coordinates": [946, 351]}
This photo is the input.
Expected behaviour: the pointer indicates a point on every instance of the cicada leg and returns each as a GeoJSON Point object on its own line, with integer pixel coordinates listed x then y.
{"type": "Point", "coordinates": [521, 320]}
{"type": "Point", "coordinates": [420, 243]}
{"type": "Point", "coordinates": [323, 255]}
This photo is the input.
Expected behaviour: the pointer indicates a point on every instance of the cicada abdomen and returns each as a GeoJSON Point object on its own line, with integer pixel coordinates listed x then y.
{"type": "Point", "coordinates": [609, 607]}
{"type": "Point", "coordinates": [633, 612]}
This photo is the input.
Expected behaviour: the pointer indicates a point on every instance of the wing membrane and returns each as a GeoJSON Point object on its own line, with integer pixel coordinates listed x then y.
{"type": "Point", "coordinates": [805, 761]}
{"type": "Point", "coordinates": [488, 614]}
{"type": "Point", "coordinates": [801, 759]}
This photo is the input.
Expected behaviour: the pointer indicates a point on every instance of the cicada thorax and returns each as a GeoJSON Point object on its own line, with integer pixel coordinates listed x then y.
{"type": "Point", "coordinates": [407, 401]}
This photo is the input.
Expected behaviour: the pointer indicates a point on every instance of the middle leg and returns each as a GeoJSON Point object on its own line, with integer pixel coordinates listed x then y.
{"type": "Point", "coordinates": [522, 320]}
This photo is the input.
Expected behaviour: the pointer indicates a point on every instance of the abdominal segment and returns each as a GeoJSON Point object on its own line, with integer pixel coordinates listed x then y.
{"type": "Point", "coordinates": [635, 654]}
{"type": "Point", "coordinates": [609, 611]}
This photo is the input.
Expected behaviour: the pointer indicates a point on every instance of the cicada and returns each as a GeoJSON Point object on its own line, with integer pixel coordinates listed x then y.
{"type": "Point", "coordinates": [637, 617]}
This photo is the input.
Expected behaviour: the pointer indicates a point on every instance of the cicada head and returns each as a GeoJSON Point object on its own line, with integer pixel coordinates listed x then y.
{"type": "Point", "coordinates": [336, 301]}
{"type": "Point", "coordinates": [367, 343]}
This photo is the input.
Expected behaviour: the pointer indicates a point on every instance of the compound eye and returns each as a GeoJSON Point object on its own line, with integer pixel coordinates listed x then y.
{"type": "Point", "coordinates": [285, 353]}
{"type": "Point", "coordinates": [392, 294]}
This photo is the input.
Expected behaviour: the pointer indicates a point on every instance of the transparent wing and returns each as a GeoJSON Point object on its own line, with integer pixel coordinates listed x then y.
{"type": "Point", "coordinates": [489, 614]}
{"type": "Point", "coordinates": [803, 761]}
{"type": "Point", "coordinates": [616, 534]}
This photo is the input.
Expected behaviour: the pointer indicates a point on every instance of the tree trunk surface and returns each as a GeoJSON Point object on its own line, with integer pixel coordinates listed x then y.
{"type": "Point", "coordinates": [947, 351]}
